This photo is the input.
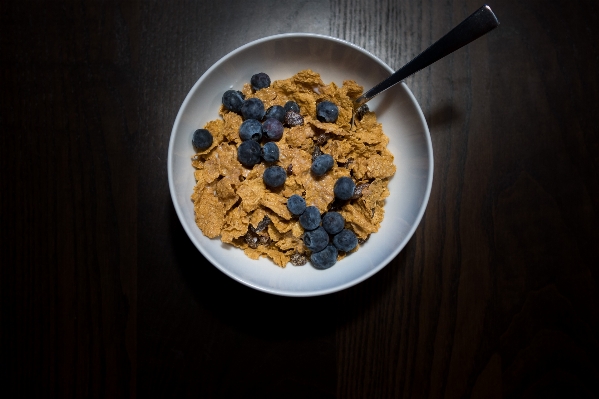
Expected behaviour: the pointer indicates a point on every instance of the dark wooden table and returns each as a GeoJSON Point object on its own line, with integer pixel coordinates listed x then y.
{"type": "Point", "coordinates": [103, 295]}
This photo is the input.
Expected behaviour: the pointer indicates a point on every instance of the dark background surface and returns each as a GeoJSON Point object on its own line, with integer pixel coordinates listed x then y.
{"type": "Point", "coordinates": [103, 294]}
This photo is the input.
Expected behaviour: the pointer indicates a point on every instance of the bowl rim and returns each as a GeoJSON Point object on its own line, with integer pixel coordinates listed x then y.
{"type": "Point", "coordinates": [283, 292]}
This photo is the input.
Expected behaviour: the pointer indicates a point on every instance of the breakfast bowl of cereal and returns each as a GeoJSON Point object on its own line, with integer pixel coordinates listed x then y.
{"type": "Point", "coordinates": [276, 185]}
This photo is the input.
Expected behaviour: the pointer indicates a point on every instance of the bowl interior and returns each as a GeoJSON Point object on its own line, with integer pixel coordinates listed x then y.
{"type": "Point", "coordinates": [280, 57]}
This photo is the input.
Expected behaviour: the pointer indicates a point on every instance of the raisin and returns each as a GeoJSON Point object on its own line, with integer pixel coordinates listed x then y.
{"type": "Point", "coordinates": [251, 240]}
{"type": "Point", "coordinates": [293, 119]}
{"type": "Point", "coordinates": [322, 139]}
{"type": "Point", "coordinates": [298, 259]}
{"type": "Point", "coordinates": [359, 189]}
{"type": "Point", "coordinates": [316, 153]}
{"type": "Point", "coordinates": [289, 170]}
{"type": "Point", "coordinates": [261, 226]}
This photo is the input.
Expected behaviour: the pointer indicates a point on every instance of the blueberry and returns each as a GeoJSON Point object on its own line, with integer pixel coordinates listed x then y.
{"type": "Point", "coordinates": [344, 188]}
{"type": "Point", "coordinates": [249, 152]}
{"type": "Point", "coordinates": [292, 106]}
{"type": "Point", "coordinates": [233, 100]}
{"type": "Point", "coordinates": [293, 119]}
{"type": "Point", "coordinates": [250, 129]}
{"type": "Point", "coordinates": [296, 204]}
{"type": "Point", "coordinates": [333, 222]}
{"type": "Point", "coordinates": [310, 219]}
{"type": "Point", "coordinates": [322, 164]}
{"type": "Point", "coordinates": [273, 129]}
{"type": "Point", "coordinates": [274, 176]}
{"type": "Point", "coordinates": [325, 258]}
{"type": "Point", "coordinates": [270, 152]}
{"type": "Point", "coordinates": [345, 240]}
{"type": "Point", "coordinates": [252, 108]}
{"type": "Point", "coordinates": [201, 139]}
{"type": "Point", "coordinates": [326, 111]}
{"type": "Point", "coordinates": [260, 81]}
{"type": "Point", "coordinates": [316, 240]}
{"type": "Point", "coordinates": [277, 112]}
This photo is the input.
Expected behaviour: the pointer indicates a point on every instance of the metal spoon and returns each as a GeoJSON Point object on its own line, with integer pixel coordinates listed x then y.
{"type": "Point", "coordinates": [479, 23]}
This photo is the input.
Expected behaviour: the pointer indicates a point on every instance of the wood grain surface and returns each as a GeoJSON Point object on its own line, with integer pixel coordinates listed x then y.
{"type": "Point", "coordinates": [103, 295]}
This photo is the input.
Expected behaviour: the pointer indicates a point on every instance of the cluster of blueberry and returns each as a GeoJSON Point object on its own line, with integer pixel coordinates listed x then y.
{"type": "Point", "coordinates": [252, 110]}
{"type": "Point", "coordinates": [252, 130]}
{"type": "Point", "coordinates": [324, 235]}
{"type": "Point", "coordinates": [259, 124]}
{"type": "Point", "coordinates": [321, 230]}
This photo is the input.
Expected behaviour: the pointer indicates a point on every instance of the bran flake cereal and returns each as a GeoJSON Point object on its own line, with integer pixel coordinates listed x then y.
{"type": "Point", "coordinates": [232, 202]}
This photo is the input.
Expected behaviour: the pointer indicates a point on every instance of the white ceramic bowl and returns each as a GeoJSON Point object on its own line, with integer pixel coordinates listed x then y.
{"type": "Point", "coordinates": [282, 56]}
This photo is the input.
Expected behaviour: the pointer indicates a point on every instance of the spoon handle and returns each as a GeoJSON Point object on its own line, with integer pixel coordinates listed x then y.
{"type": "Point", "coordinates": [480, 22]}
